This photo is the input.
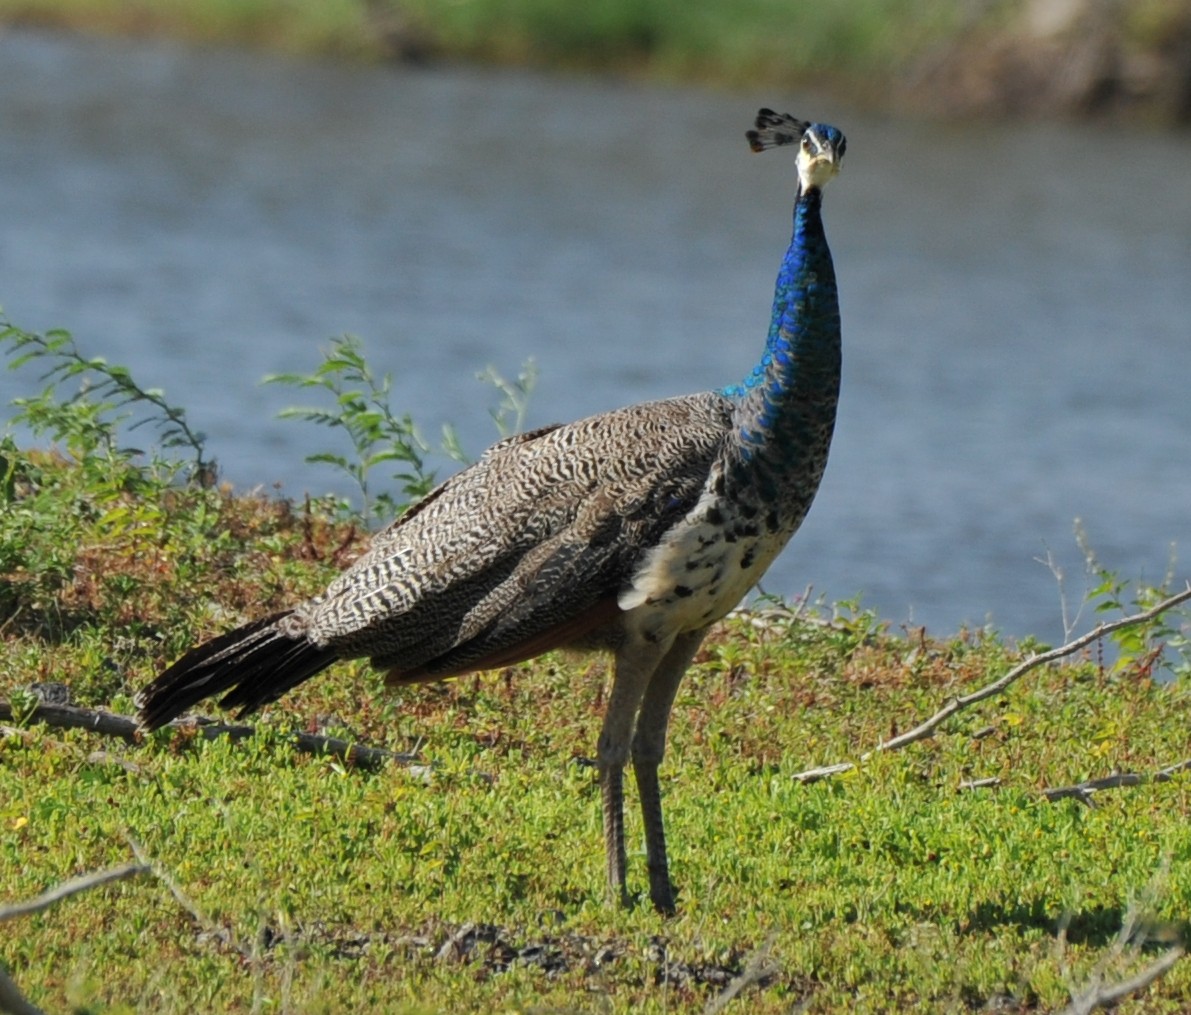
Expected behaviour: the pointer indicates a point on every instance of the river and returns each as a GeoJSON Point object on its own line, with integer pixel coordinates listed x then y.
{"type": "Point", "coordinates": [1016, 297]}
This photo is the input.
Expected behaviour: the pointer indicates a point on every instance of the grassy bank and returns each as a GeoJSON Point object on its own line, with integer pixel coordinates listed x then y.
{"type": "Point", "coordinates": [994, 58]}
{"type": "Point", "coordinates": [941, 877]}
{"type": "Point", "coordinates": [334, 27]}
{"type": "Point", "coordinates": [750, 41]}
{"type": "Point", "coordinates": [315, 887]}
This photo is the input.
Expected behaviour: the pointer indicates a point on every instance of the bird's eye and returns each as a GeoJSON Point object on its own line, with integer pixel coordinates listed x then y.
{"type": "Point", "coordinates": [807, 144]}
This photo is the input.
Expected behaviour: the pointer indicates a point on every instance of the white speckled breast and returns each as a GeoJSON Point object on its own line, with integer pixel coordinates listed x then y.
{"type": "Point", "coordinates": [703, 566]}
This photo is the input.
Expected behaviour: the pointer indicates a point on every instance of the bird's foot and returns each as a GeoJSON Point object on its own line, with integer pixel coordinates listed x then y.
{"type": "Point", "coordinates": [662, 894]}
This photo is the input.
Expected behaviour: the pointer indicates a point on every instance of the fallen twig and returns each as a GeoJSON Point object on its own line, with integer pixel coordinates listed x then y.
{"type": "Point", "coordinates": [1170, 771]}
{"type": "Point", "coordinates": [757, 970]}
{"type": "Point", "coordinates": [12, 1001]}
{"type": "Point", "coordinates": [826, 772]}
{"type": "Point", "coordinates": [1137, 929]}
{"type": "Point", "coordinates": [1110, 995]}
{"type": "Point", "coordinates": [1083, 791]}
{"type": "Point", "coordinates": [927, 728]}
{"type": "Point", "coordinates": [125, 727]}
{"type": "Point", "coordinates": [71, 887]}
{"type": "Point", "coordinates": [225, 935]}
{"type": "Point", "coordinates": [452, 948]}
{"type": "Point", "coordinates": [986, 783]}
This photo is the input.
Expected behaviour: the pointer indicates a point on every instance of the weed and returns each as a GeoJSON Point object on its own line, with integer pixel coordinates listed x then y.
{"type": "Point", "coordinates": [1162, 644]}
{"type": "Point", "coordinates": [361, 408]}
{"type": "Point", "coordinates": [509, 413]}
{"type": "Point", "coordinates": [87, 422]}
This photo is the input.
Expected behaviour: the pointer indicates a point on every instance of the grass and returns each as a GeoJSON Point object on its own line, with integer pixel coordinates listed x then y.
{"type": "Point", "coordinates": [293, 883]}
{"type": "Point", "coordinates": [336, 27]}
{"type": "Point", "coordinates": [336, 887]}
{"type": "Point", "coordinates": [750, 40]}
{"type": "Point", "coordinates": [768, 42]}
{"type": "Point", "coordinates": [912, 54]}
{"type": "Point", "coordinates": [881, 53]}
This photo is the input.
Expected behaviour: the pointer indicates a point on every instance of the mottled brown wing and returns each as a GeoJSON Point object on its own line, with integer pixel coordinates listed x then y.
{"type": "Point", "coordinates": [528, 540]}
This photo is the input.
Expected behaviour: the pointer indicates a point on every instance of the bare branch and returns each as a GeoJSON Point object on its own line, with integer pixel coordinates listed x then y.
{"type": "Point", "coordinates": [1082, 791]}
{"type": "Point", "coordinates": [757, 970]}
{"type": "Point", "coordinates": [225, 935]}
{"type": "Point", "coordinates": [1170, 771]}
{"type": "Point", "coordinates": [452, 948]}
{"type": "Point", "coordinates": [990, 782]}
{"type": "Point", "coordinates": [125, 727]}
{"type": "Point", "coordinates": [924, 730]}
{"type": "Point", "coordinates": [71, 887]}
{"type": "Point", "coordinates": [12, 1001]}
{"type": "Point", "coordinates": [1112, 995]}
{"type": "Point", "coordinates": [927, 728]}
{"type": "Point", "coordinates": [1137, 928]}
{"type": "Point", "coordinates": [826, 772]}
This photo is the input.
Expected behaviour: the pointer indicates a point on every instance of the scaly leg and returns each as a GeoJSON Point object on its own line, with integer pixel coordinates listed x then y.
{"type": "Point", "coordinates": [649, 745]}
{"type": "Point", "coordinates": [636, 661]}
{"type": "Point", "coordinates": [612, 794]}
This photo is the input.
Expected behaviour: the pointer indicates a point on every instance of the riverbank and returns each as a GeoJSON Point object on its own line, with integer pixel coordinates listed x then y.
{"type": "Point", "coordinates": [1030, 57]}
{"type": "Point", "coordinates": [472, 879]}
{"type": "Point", "coordinates": [457, 864]}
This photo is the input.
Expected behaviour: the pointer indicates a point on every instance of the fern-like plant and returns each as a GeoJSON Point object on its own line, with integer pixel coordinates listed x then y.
{"type": "Point", "coordinates": [87, 421]}
{"type": "Point", "coordinates": [361, 407]}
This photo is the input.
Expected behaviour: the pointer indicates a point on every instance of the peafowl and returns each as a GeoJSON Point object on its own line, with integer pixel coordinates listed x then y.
{"type": "Point", "coordinates": [631, 531]}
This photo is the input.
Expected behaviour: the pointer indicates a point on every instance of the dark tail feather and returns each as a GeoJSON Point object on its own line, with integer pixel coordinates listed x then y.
{"type": "Point", "coordinates": [255, 664]}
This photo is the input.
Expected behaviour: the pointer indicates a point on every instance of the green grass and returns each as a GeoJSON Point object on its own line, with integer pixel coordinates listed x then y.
{"type": "Point", "coordinates": [744, 42]}
{"type": "Point", "coordinates": [304, 885]}
{"type": "Point", "coordinates": [747, 42]}
{"type": "Point", "coordinates": [338, 27]}
{"type": "Point", "coordinates": [877, 52]}
{"type": "Point", "coordinates": [883, 888]}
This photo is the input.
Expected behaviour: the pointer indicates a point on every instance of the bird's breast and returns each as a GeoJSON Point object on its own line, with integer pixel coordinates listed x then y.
{"type": "Point", "coordinates": [704, 565]}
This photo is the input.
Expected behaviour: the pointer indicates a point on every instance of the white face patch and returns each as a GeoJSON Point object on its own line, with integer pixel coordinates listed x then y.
{"type": "Point", "coordinates": [817, 161]}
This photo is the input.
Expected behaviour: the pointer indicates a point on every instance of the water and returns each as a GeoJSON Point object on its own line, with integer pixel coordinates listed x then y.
{"type": "Point", "coordinates": [1016, 299]}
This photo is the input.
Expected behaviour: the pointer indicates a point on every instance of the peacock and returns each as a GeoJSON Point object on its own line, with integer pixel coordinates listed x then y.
{"type": "Point", "coordinates": [632, 531]}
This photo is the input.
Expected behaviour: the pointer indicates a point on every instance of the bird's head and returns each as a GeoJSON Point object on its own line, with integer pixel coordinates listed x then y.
{"type": "Point", "coordinates": [820, 155]}
{"type": "Point", "coordinates": [821, 147]}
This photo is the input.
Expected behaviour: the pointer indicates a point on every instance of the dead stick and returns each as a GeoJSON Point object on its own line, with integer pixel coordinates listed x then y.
{"type": "Point", "coordinates": [71, 887]}
{"type": "Point", "coordinates": [1110, 996]}
{"type": "Point", "coordinates": [1082, 791]}
{"type": "Point", "coordinates": [216, 930]}
{"type": "Point", "coordinates": [125, 727]}
{"type": "Point", "coordinates": [757, 969]}
{"type": "Point", "coordinates": [927, 728]}
{"type": "Point", "coordinates": [12, 1001]}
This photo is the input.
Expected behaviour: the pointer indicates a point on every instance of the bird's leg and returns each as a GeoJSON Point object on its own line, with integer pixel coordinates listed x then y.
{"type": "Point", "coordinates": [636, 661]}
{"type": "Point", "coordinates": [612, 793]}
{"type": "Point", "coordinates": [649, 745]}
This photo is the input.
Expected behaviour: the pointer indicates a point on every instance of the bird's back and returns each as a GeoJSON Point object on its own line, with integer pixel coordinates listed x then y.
{"type": "Point", "coordinates": [526, 549]}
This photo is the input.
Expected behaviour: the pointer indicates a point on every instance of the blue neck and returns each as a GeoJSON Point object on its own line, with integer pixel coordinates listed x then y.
{"type": "Point", "coordinates": [786, 407]}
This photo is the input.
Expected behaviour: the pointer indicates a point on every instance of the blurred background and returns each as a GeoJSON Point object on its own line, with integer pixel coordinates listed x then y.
{"type": "Point", "coordinates": [208, 191]}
